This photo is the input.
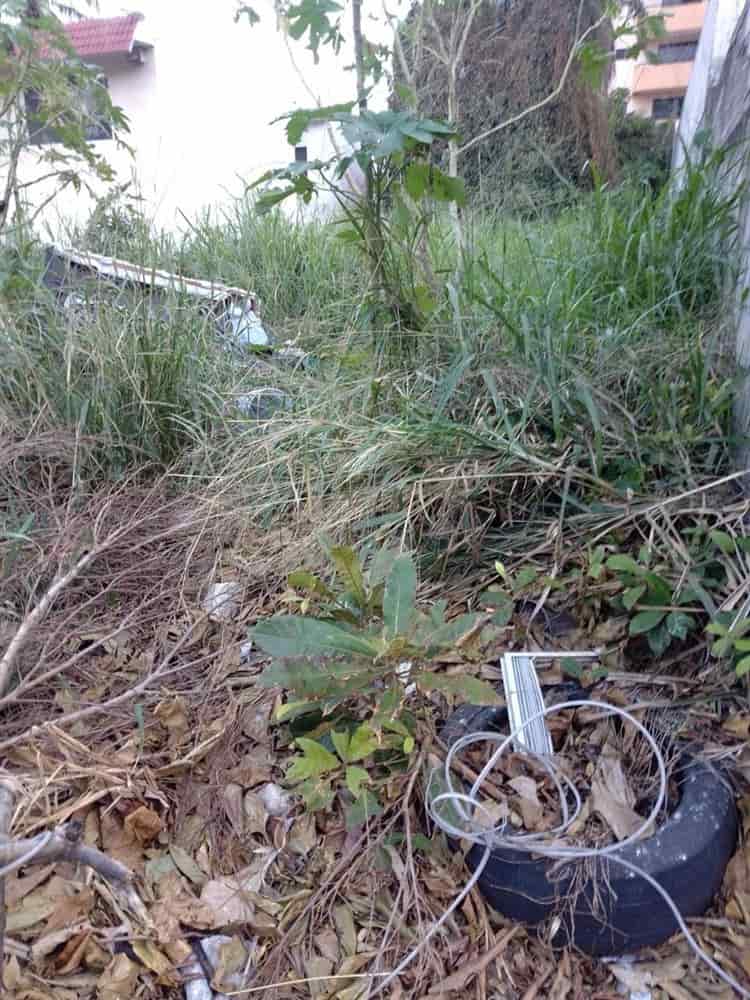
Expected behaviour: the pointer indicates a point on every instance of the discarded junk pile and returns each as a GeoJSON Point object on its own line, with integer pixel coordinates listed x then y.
{"type": "Point", "coordinates": [80, 281]}
{"type": "Point", "coordinates": [635, 893]}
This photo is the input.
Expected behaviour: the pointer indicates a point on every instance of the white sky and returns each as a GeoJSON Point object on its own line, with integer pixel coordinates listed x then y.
{"type": "Point", "coordinates": [209, 25]}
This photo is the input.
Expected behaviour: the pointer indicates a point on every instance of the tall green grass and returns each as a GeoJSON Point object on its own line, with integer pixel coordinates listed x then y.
{"type": "Point", "coordinates": [584, 370]}
{"type": "Point", "coordinates": [306, 277]}
{"type": "Point", "coordinates": [573, 363]}
{"type": "Point", "coordinates": [135, 389]}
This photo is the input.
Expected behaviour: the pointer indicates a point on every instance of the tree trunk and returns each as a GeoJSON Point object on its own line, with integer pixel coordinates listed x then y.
{"type": "Point", "coordinates": [359, 55]}
{"type": "Point", "coordinates": [455, 211]}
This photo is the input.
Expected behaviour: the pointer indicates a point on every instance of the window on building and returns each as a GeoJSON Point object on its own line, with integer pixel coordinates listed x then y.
{"type": "Point", "coordinates": [667, 107]}
{"type": "Point", "coordinates": [44, 130]}
{"type": "Point", "coordinates": [677, 52]}
{"type": "Point", "coordinates": [300, 154]}
{"type": "Point", "coordinates": [621, 54]}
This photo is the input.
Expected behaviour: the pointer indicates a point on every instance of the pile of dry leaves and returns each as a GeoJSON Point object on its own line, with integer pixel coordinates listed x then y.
{"type": "Point", "coordinates": [609, 764]}
{"type": "Point", "coordinates": [139, 723]}
{"type": "Point", "coordinates": [190, 796]}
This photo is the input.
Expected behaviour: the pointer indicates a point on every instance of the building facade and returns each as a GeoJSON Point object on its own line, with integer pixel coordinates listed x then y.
{"type": "Point", "coordinates": [203, 95]}
{"type": "Point", "coordinates": [657, 80]}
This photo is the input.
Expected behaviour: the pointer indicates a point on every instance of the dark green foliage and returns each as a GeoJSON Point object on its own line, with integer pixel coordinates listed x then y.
{"type": "Point", "coordinates": [514, 58]}
{"type": "Point", "coordinates": [643, 147]}
{"type": "Point", "coordinates": [344, 669]}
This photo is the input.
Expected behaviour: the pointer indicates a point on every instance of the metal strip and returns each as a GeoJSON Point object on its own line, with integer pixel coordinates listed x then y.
{"type": "Point", "coordinates": [524, 698]}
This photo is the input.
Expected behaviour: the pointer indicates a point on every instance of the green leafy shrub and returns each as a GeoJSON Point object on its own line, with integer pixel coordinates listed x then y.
{"type": "Point", "coordinates": [348, 660]}
{"type": "Point", "coordinates": [648, 596]}
{"type": "Point", "coordinates": [669, 591]}
{"type": "Point", "coordinates": [386, 222]}
{"type": "Point", "coordinates": [733, 643]}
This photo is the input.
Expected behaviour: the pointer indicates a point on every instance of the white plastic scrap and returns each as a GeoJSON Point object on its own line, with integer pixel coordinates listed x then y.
{"type": "Point", "coordinates": [291, 356]}
{"type": "Point", "coordinates": [403, 672]}
{"type": "Point", "coordinates": [261, 404]}
{"type": "Point", "coordinates": [222, 600]}
{"type": "Point", "coordinates": [247, 329]}
{"type": "Point", "coordinates": [276, 801]}
{"type": "Point", "coordinates": [197, 986]}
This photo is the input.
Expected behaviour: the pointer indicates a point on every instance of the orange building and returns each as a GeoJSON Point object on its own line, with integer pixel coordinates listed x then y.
{"type": "Point", "coordinates": [657, 80]}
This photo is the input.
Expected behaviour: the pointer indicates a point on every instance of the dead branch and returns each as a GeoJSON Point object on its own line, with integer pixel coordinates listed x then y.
{"type": "Point", "coordinates": [60, 847]}
{"type": "Point", "coordinates": [158, 673]}
{"type": "Point", "coordinates": [552, 96]}
{"type": "Point", "coordinates": [62, 844]}
{"type": "Point", "coordinates": [6, 814]}
{"type": "Point", "coordinates": [138, 545]}
{"type": "Point", "coordinates": [37, 614]}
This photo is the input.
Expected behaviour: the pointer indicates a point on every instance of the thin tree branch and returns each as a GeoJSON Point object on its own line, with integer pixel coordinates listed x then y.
{"type": "Point", "coordinates": [398, 47]}
{"type": "Point", "coordinates": [6, 815]}
{"type": "Point", "coordinates": [359, 58]}
{"type": "Point", "coordinates": [38, 613]}
{"type": "Point", "coordinates": [60, 847]}
{"type": "Point", "coordinates": [49, 199]}
{"type": "Point", "coordinates": [515, 119]}
{"type": "Point", "coordinates": [61, 844]}
{"type": "Point", "coordinates": [467, 27]}
{"type": "Point", "coordinates": [39, 180]}
{"type": "Point", "coordinates": [154, 675]}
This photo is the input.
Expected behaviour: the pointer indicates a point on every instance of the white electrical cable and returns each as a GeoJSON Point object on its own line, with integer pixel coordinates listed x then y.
{"type": "Point", "coordinates": [492, 835]}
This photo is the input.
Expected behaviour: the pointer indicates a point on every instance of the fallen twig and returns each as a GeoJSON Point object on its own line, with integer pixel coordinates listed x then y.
{"type": "Point", "coordinates": [64, 845]}
{"type": "Point", "coordinates": [461, 977]}
{"type": "Point", "coordinates": [158, 673]}
{"type": "Point", "coordinates": [37, 614]}
{"type": "Point", "coordinates": [6, 813]}
{"type": "Point", "coordinates": [61, 844]}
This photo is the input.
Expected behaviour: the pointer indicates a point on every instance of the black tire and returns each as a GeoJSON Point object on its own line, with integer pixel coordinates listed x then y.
{"type": "Point", "coordinates": [687, 856]}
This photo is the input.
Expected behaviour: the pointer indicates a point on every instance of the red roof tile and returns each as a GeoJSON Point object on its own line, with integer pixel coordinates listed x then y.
{"type": "Point", "coordinates": [103, 36]}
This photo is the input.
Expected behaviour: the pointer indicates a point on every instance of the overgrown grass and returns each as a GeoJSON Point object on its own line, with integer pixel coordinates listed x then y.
{"type": "Point", "coordinates": [134, 388]}
{"type": "Point", "coordinates": [575, 367]}
{"type": "Point", "coordinates": [307, 279]}
{"type": "Point", "coordinates": [585, 382]}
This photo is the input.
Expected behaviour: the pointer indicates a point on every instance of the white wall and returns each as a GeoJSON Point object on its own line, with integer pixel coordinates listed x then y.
{"type": "Point", "coordinates": [202, 106]}
{"type": "Point", "coordinates": [718, 27]}
{"type": "Point", "coordinates": [719, 97]}
{"type": "Point", "coordinates": [622, 70]}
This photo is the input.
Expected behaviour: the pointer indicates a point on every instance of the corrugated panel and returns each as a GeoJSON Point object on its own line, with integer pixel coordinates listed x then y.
{"type": "Point", "coordinates": [123, 270]}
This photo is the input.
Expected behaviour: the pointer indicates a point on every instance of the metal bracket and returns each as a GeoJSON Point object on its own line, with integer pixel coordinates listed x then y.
{"type": "Point", "coordinates": [523, 695]}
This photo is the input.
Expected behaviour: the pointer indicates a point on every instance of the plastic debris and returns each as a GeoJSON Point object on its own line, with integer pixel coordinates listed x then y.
{"type": "Point", "coordinates": [523, 694]}
{"type": "Point", "coordinates": [403, 672]}
{"type": "Point", "coordinates": [276, 801]}
{"type": "Point", "coordinates": [246, 327]}
{"type": "Point", "coordinates": [291, 357]}
{"type": "Point", "coordinates": [234, 310]}
{"type": "Point", "coordinates": [262, 404]}
{"type": "Point", "coordinates": [222, 600]}
{"type": "Point", "coordinates": [197, 987]}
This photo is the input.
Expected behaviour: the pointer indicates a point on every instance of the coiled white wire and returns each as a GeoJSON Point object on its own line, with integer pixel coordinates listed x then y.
{"type": "Point", "coordinates": [491, 835]}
